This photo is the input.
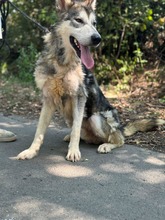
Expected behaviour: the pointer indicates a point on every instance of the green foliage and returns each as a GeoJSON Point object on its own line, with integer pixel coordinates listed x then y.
{"type": "Point", "coordinates": [129, 64]}
{"type": "Point", "coordinates": [127, 26]}
{"type": "Point", "coordinates": [162, 100]}
{"type": "Point", "coordinates": [26, 63]}
{"type": "Point", "coordinates": [131, 36]}
{"type": "Point", "coordinates": [103, 70]}
{"type": "Point", "coordinates": [22, 31]}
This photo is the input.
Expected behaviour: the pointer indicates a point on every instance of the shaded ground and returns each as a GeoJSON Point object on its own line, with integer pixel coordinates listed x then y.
{"type": "Point", "coordinates": [127, 184]}
{"type": "Point", "coordinates": [140, 102]}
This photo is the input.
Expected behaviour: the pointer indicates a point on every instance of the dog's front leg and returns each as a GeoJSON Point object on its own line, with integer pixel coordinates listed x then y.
{"type": "Point", "coordinates": [44, 121]}
{"type": "Point", "coordinates": [78, 104]}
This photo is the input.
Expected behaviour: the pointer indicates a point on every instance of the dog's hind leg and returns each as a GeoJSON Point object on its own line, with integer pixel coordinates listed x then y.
{"type": "Point", "coordinates": [105, 128]}
{"type": "Point", "coordinates": [78, 104]}
{"type": "Point", "coordinates": [115, 139]}
{"type": "Point", "coordinates": [67, 138]}
{"type": "Point", "coordinates": [106, 148]}
{"type": "Point", "coordinates": [44, 121]}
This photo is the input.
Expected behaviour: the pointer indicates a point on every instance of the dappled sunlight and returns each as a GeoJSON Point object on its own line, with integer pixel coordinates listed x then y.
{"type": "Point", "coordinates": [42, 209]}
{"type": "Point", "coordinates": [155, 161]}
{"type": "Point", "coordinates": [29, 205]}
{"type": "Point", "coordinates": [109, 167]}
{"type": "Point", "coordinates": [55, 158]}
{"type": "Point", "coordinates": [151, 176]}
{"type": "Point", "coordinates": [63, 211]}
{"type": "Point", "coordinates": [133, 165]}
{"type": "Point", "coordinates": [7, 125]}
{"type": "Point", "coordinates": [128, 180]}
{"type": "Point", "coordinates": [69, 171]}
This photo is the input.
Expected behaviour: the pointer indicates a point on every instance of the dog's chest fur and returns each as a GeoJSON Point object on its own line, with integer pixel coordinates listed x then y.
{"type": "Point", "coordinates": [64, 83]}
{"type": "Point", "coordinates": [58, 72]}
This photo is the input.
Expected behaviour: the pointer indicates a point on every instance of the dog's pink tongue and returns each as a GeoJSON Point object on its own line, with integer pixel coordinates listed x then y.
{"type": "Point", "coordinates": [86, 57]}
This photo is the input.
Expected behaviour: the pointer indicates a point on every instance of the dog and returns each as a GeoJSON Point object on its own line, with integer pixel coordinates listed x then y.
{"type": "Point", "coordinates": [101, 124]}
{"type": "Point", "coordinates": [63, 74]}
{"type": "Point", "coordinates": [59, 72]}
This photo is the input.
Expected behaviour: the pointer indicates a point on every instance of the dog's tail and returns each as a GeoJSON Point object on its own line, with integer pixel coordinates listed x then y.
{"type": "Point", "coordinates": [141, 125]}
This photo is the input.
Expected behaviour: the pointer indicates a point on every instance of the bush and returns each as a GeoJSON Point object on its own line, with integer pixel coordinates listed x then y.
{"type": "Point", "coordinates": [26, 63]}
{"type": "Point", "coordinates": [130, 31]}
{"type": "Point", "coordinates": [132, 34]}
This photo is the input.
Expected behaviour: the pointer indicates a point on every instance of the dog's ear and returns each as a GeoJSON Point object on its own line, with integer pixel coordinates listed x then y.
{"type": "Point", "coordinates": [64, 5]}
{"type": "Point", "coordinates": [91, 3]}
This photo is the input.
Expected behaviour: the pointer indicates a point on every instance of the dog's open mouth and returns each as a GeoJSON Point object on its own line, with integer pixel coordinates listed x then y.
{"type": "Point", "coordinates": [83, 52]}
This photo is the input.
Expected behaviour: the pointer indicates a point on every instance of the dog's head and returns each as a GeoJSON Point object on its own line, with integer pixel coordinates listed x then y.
{"type": "Point", "coordinates": [81, 27]}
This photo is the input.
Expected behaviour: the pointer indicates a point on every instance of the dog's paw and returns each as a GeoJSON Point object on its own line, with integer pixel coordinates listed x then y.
{"type": "Point", "coordinates": [27, 154]}
{"type": "Point", "coordinates": [67, 138]}
{"type": "Point", "coordinates": [104, 148]}
{"type": "Point", "coordinates": [73, 155]}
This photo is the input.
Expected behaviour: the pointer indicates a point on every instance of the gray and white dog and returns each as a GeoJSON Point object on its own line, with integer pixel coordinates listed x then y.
{"type": "Point", "coordinates": [63, 74]}
{"type": "Point", "coordinates": [59, 72]}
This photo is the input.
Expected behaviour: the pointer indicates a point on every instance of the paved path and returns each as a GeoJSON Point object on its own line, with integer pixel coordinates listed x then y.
{"type": "Point", "coordinates": [128, 184]}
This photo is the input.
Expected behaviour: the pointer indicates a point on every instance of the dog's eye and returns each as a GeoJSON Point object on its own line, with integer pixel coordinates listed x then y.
{"type": "Point", "coordinates": [79, 20]}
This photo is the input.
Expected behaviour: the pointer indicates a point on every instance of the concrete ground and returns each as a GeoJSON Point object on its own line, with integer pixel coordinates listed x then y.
{"type": "Point", "coordinates": [128, 184]}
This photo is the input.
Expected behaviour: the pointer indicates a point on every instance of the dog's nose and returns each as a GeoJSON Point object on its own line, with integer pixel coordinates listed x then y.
{"type": "Point", "coordinates": [96, 39]}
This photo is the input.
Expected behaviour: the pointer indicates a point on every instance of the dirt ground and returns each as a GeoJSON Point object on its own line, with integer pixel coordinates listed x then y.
{"type": "Point", "coordinates": [142, 101]}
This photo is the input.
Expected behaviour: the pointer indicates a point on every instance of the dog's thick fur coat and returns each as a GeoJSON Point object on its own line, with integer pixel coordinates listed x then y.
{"type": "Point", "coordinates": [59, 71]}
{"type": "Point", "coordinates": [101, 124]}
{"type": "Point", "coordinates": [62, 73]}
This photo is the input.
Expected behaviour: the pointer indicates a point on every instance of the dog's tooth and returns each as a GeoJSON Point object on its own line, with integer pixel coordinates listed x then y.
{"type": "Point", "coordinates": [76, 43]}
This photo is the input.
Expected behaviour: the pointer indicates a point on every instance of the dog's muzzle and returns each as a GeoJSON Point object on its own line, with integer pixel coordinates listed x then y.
{"type": "Point", "coordinates": [95, 39]}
